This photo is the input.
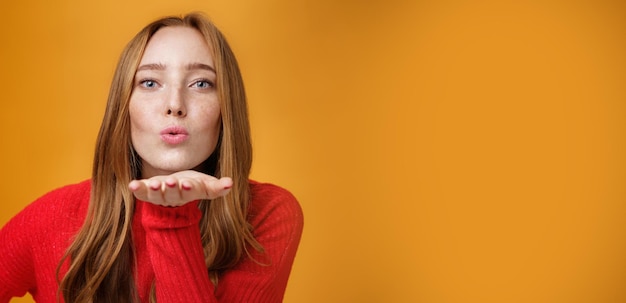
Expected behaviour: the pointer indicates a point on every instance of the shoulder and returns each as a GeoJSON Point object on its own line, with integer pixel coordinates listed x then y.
{"type": "Point", "coordinates": [76, 190]}
{"type": "Point", "coordinates": [58, 213]}
{"type": "Point", "coordinates": [269, 191]}
{"type": "Point", "coordinates": [53, 216]}
{"type": "Point", "coordinates": [267, 196]}
{"type": "Point", "coordinates": [69, 198]}
{"type": "Point", "coordinates": [65, 203]}
{"type": "Point", "coordinates": [269, 202]}
{"type": "Point", "coordinates": [34, 240]}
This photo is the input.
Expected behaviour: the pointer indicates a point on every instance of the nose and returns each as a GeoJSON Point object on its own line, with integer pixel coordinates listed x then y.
{"type": "Point", "coordinates": [176, 104]}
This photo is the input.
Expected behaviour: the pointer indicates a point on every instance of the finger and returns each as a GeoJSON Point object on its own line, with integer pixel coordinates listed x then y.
{"type": "Point", "coordinates": [135, 186]}
{"type": "Point", "coordinates": [191, 189]}
{"type": "Point", "coordinates": [204, 188]}
{"type": "Point", "coordinates": [215, 188]}
{"type": "Point", "coordinates": [186, 184]}
{"type": "Point", "coordinates": [171, 191]}
{"type": "Point", "coordinates": [155, 191]}
{"type": "Point", "coordinates": [139, 189]}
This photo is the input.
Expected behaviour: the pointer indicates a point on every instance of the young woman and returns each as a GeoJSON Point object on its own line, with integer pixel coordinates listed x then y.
{"type": "Point", "coordinates": [169, 214]}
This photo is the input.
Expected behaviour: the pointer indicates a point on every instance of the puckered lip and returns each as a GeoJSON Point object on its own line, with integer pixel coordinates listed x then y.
{"type": "Point", "coordinates": [174, 130]}
{"type": "Point", "coordinates": [174, 135]}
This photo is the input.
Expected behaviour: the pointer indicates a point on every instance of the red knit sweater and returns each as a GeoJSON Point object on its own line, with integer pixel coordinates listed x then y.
{"type": "Point", "coordinates": [167, 245]}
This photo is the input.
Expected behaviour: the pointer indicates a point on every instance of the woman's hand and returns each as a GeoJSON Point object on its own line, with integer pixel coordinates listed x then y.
{"type": "Point", "coordinates": [179, 188]}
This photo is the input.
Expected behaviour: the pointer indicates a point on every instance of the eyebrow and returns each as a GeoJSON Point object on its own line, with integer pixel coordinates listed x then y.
{"type": "Point", "coordinates": [151, 66]}
{"type": "Point", "coordinates": [190, 66]}
{"type": "Point", "coordinates": [203, 66]}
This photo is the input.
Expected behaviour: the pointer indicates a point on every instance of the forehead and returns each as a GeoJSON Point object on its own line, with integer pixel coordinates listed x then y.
{"type": "Point", "coordinates": [177, 45]}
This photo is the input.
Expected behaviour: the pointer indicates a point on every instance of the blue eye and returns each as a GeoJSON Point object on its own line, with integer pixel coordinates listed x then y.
{"type": "Point", "coordinates": [149, 83]}
{"type": "Point", "coordinates": [202, 84]}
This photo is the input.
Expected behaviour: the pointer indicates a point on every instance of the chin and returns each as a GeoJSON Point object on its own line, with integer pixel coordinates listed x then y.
{"type": "Point", "coordinates": [151, 170]}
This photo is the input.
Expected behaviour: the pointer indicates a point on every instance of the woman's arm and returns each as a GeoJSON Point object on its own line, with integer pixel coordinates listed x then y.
{"type": "Point", "coordinates": [177, 257]}
{"type": "Point", "coordinates": [172, 234]}
{"type": "Point", "coordinates": [33, 242]}
{"type": "Point", "coordinates": [175, 250]}
{"type": "Point", "coordinates": [16, 266]}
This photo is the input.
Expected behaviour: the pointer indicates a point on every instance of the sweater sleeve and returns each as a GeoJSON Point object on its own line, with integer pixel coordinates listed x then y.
{"type": "Point", "coordinates": [277, 219]}
{"type": "Point", "coordinates": [176, 253]}
{"type": "Point", "coordinates": [16, 261]}
{"type": "Point", "coordinates": [177, 257]}
{"type": "Point", "coordinates": [33, 242]}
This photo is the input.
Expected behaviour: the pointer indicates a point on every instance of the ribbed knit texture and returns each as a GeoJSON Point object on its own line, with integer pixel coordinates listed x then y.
{"type": "Point", "coordinates": [167, 244]}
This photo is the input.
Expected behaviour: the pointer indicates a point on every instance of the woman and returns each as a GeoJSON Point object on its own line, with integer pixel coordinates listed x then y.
{"type": "Point", "coordinates": [169, 213]}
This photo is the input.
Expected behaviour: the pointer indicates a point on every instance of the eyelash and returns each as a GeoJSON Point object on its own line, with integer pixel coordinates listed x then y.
{"type": "Point", "coordinates": [208, 83]}
{"type": "Point", "coordinates": [144, 83]}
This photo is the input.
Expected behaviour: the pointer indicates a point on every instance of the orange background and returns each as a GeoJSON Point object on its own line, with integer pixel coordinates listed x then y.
{"type": "Point", "coordinates": [443, 151]}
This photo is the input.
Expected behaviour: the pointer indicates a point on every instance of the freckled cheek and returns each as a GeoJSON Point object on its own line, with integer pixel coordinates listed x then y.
{"type": "Point", "coordinates": [211, 116]}
{"type": "Point", "coordinates": [137, 125]}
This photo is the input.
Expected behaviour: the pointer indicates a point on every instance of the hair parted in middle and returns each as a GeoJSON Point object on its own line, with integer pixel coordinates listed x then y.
{"type": "Point", "coordinates": [101, 254]}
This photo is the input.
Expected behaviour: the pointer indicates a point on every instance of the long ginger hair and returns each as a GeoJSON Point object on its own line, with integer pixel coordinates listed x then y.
{"type": "Point", "coordinates": [101, 255]}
